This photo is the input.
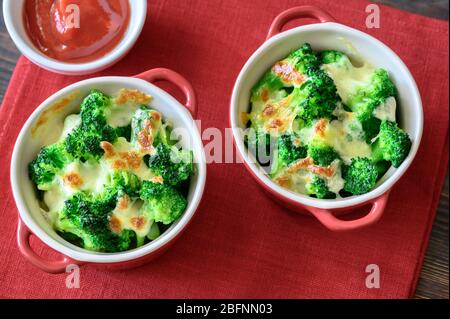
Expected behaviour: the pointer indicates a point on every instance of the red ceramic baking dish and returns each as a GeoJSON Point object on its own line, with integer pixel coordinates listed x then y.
{"type": "Point", "coordinates": [34, 135]}
{"type": "Point", "coordinates": [327, 34]}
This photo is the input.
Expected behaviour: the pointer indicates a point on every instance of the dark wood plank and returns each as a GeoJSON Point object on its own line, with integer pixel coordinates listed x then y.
{"type": "Point", "coordinates": [8, 57]}
{"type": "Point", "coordinates": [432, 8]}
{"type": "Point", "coordinates": [434, 278]}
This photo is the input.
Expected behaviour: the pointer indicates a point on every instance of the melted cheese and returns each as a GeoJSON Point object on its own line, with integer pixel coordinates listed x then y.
{"type": "Point", "coordinates": [347, 77]}
{"type": "Point", "coordinates": [335, 182]}
{"type": "Point", "coordinates": [124, 105]}
{"type": "Point", "coordinates": [346, 136]}
{"type": "Point", "coordinates": [89, 176]}
{"type": "Point", "coordinates": [92, 176]}
{"type": "Point", "coordinates": [297, 179]}
{"type": "Point", "coordinates": [70, 123]}
{"type": "Point", "coordinates": [54, 198]}
{"type": "Point", "coordinates": [273, 115]}
{"type": "Point", "coordinates": [386, 111]}
{"type": "Point", "coordinates": [125, 156]}
{"type": "Point", "coordinates": [130, 215]}
{"type": "Point", "coordinates": [306, 134]}
{"type": "Point", "coordinates": [121, 115]}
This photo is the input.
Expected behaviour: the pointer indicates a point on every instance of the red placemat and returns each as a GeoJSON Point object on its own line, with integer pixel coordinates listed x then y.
{"type": "Point", "coordinates": [241, 244]}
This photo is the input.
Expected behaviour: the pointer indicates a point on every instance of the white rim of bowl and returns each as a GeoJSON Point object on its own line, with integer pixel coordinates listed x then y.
{"type": "Point", "coordinates": [37, 57]}
{"type": "Point", "coordinates": [305, 200]}
{"type": "Point", "coordinates": [76, 252]}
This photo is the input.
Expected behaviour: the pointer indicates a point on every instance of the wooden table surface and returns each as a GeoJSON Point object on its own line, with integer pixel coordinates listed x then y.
{"type": "Point", "coordinates": [434, 279]}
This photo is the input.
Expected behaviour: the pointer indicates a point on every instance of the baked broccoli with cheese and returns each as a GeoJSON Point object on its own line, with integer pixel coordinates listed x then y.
{"type": "Point", "coordinates": [287, 73]}
{"type": "Point", "coordinates": [289, 149]}
{"type": "Point", "coordinates": [88, 218]}
{"type": "Point", "coordinates": [364, 90]}
{"type": "Point", "coordinates": [84, 141]}
{"type": "Point", "coordinates": [317, 187]}
{"type": "Point", "coordinates": [392, 144]}
{"type": "Point", "coordinates": [360, 176]}
{"type": "Point", "coordinates": [321, 153]}
{"type": "Point", "coordinates": [115, 179]}
{"type": "Point", "coordinates": [333, 123]}
{"type": "Point", "coordinates": [164, 203]}
{"type": "Point", "coordinates": [49, 162]}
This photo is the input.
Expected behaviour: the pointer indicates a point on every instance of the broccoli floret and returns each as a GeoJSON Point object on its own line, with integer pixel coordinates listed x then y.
{"type": "Point", "coordinates": [302, 60]}
{"type": "Point", "coordinates": [162, 202]}
{"type": "Point", "coordinates": [290, 148]}
{"type": "Point", "coordinates": [49, 162]}
{"type": "Point", "coordinates": [172, 164]}
{"type": "Point", "coordinates": [148, 122]}
{"type": "Point", "coordinates": [316, 98]}
{"type": "Point", "coordinates": [124, 131]}
{"type": "Point", "coordinates": [270, 82]}
{"type": "Point", "coordinates": [123, 182]}
{"type": "Point", "coordinates": [94, 108]}
{"type": "Point", "coordinates": [88, 218]}
{"type": "Point", "coordinates": [331, 56]}
{"type": "Point", "coordinates": [392, 144]}
{"type": "Point", "coordinates": [322, 153]}
{"type": "Point", "coordinates": [371, 128]}
{"type": "Point", "coordinates": [288, 151]}
{"type": "Point", "coordinates": [84, 141]}
{"type": "Point", "coordinates": [382, 168]}
{"type": "Point", "coordinates": [319, 188]}
{"type": "Point", "coordinates": [368, 97]}
{"type": "Point", "coordinates": [361, 176]}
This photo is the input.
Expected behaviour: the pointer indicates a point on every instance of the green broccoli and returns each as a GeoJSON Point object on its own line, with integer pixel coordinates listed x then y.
{"type": "Point", "coordinates": [302, 60]}
{"type": "Point", "coordinates": [288, 151]}
{"type": "Point", "coordinates": [321, 153]}
{"type": "Point", "coordinates": [123, 182]}
{"type": "Point", "coordinates": [124, 131]}
{"type": "Point", "coordinates": [88, 219]}
{"type": "Point", "coordinates": [316, 98]}
{"type": "Point", "coordinates": [49, 162]}
{"type": "Point", "coordinates": [368, 97]}
{"type": "Point", "coordinates": [84, 141]}
{"type": "Point", "coordinates": [331, 56]}
{"type": "Point", "coordinates": [94, 109]}
{"type": "Point", "coordinates": [163, 203]}
{"type": "Point", "coordinates": [382, 168]}
{"type": "Point", "coordinates": [365, 94]}
{"type": "Point", "coordinates": [392, 144]}
{"type": "Point", "coordinates": [270, 82]}
{"type": "Point", "coordinates": [361, 176]}
{"type": "Point", "coordinates": [318, 188]}
{"type": "Point", "coordinates": [172, 164]}
{"type": "Point", "coordinates": [140, 121]}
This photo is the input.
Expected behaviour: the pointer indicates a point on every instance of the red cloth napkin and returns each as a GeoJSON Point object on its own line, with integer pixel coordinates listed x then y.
{"type": "Point", "coordinates": [242, 244]}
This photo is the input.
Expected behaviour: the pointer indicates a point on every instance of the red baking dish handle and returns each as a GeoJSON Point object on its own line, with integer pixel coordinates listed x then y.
{"type": "Point", "coordinates": [163, 74]}
{"type": "Point", "coordinates": [327, 218]}
{"type": "Point", "coordinates": [50, 266]}
{"type": "Point", "coordinates": [296, 13]}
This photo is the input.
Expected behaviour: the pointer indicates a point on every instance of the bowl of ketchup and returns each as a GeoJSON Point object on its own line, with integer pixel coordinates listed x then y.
{"type": "Point", "coordinates": [74, 37]}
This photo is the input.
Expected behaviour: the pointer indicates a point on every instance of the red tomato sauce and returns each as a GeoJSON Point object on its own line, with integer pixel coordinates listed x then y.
{"type": "Point", "coordinates": [76, 31]}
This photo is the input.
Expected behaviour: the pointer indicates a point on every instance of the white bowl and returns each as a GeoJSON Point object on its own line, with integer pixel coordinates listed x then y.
{"type": "Point", "coordinates": [31, 140]}
{"type": "Point", "coordinates": [13, 16]}
{"type": "Point", "coordinates": [327, 35]}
